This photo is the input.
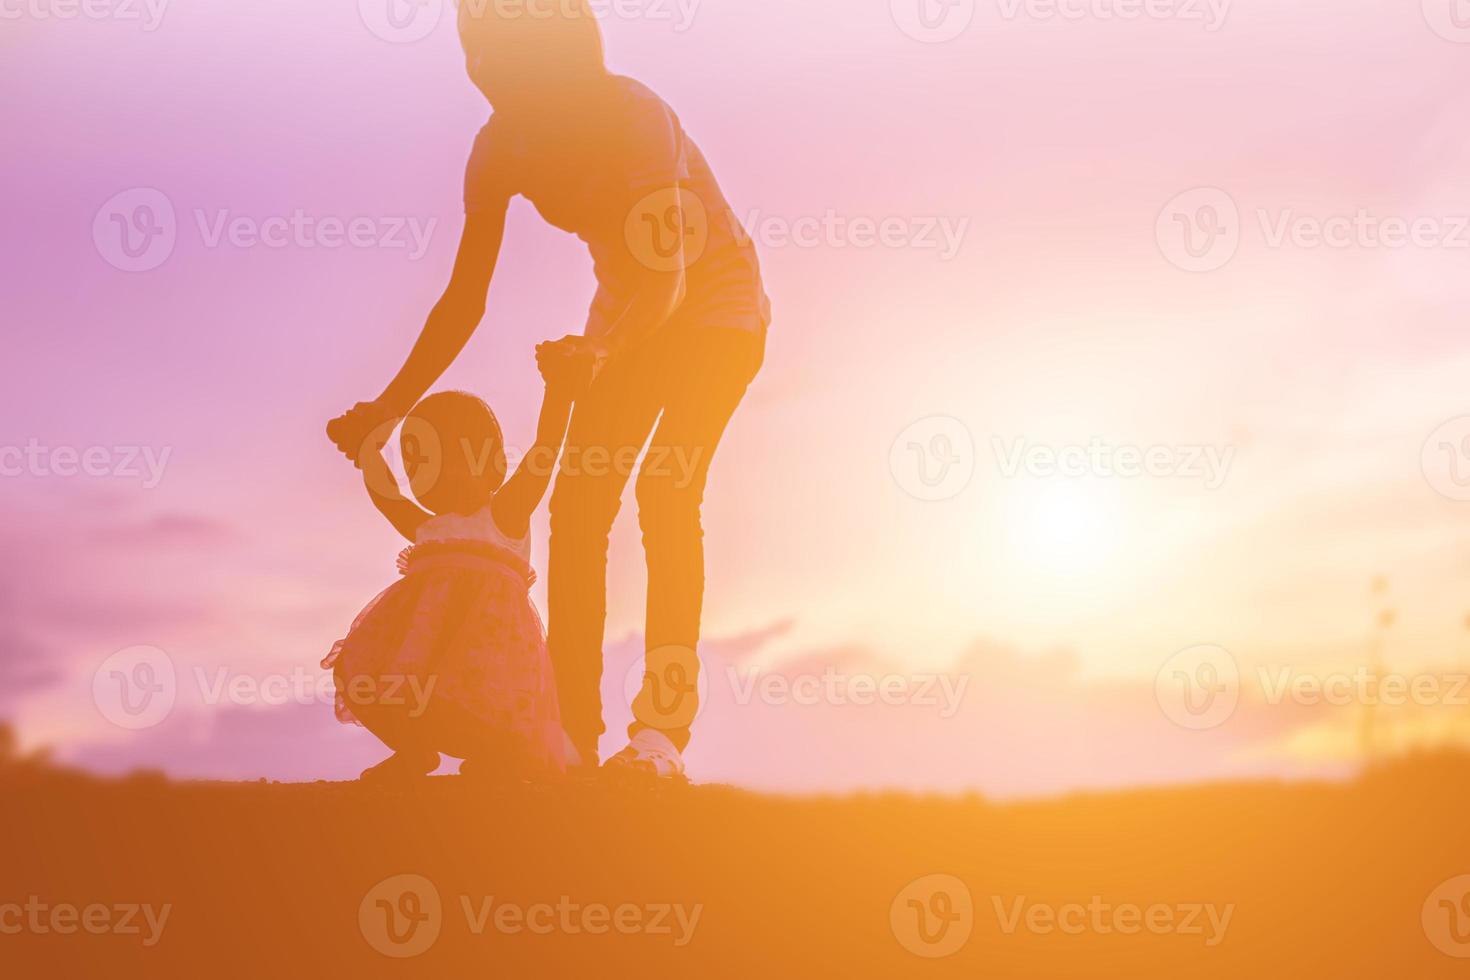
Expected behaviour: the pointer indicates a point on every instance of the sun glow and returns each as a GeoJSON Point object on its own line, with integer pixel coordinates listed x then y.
{"type": "Point", "coordinates": [1066, 529]}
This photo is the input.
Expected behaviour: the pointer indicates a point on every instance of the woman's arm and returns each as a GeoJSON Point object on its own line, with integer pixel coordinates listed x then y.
{"type": "Point", "coordinates": [405, 515]}
{"type": "Point", "coordinates": [458, 312]}
{"type": "Point", "coordinates": [517, 500]}
{"type": "Point", "coordinates": [450, 326]}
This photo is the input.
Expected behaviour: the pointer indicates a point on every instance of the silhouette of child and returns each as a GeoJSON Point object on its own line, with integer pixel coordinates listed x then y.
{"type": "Point", "coordinates": [452, 659]}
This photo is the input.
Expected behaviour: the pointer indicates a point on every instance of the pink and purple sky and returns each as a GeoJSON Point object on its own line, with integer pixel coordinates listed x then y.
{"type": "Point", "coordinates": [1326, 381]}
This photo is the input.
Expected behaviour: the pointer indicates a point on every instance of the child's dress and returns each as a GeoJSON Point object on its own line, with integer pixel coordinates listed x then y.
{"type": "Point", "coordinates": [453, 658]}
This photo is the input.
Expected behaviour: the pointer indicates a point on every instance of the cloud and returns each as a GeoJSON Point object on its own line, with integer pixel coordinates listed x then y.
{"type": "Point", "coordinates": [997, 721]}
{"type": "Point", "coordinates": [83, 576]}
{"type": "Point", "coordinates": [24, 669]}
{"type": "Point", "coordinates": [170, 530]}
{"type": "Point", "coordinates": [293, 742]}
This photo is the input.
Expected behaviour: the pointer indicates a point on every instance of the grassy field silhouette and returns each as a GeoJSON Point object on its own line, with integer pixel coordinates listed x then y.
{"type": "Point", "coordinates": [1326, 880]}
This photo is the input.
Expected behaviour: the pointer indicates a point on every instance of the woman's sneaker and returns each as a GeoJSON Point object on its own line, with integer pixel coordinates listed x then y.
{"type": "Point", "coordinates": [649, 754]}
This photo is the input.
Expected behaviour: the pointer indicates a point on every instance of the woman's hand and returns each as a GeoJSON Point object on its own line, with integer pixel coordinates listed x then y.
{"type": "Point", "coordinates": [569, 365]}
{"type": "Point", "coordinates": [364, 430]}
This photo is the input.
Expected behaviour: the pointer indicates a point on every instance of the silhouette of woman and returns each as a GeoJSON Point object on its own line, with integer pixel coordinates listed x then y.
{"type": "Point", "coordinates": [675, 334]}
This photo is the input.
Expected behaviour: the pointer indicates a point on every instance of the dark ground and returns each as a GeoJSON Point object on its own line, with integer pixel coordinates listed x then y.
{"type": "Point", "coordinates": [267, 880]}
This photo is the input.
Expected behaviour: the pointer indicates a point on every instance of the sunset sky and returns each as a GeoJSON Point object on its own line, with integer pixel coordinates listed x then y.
{"type": "Point", "coordinates": [1323, 381]}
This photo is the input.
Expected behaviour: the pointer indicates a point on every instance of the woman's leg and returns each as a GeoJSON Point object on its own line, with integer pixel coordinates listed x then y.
{"type": "Point", "coordinates": [706, 378]}
{"type": "Point", "coordinates": [609, 426]}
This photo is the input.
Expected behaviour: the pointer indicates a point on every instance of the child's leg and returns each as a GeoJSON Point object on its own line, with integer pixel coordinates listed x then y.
{"type": "Point", "coordinates": [403, 766]}
{"type": "Point", "coordinates": [413, 756]}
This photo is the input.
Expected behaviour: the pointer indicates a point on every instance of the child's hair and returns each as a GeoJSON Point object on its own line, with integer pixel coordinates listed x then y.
{"type": "Point", "coordinates": [470, 447]}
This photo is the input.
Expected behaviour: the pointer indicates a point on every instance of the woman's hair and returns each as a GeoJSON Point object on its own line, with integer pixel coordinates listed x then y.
{"type": "Point", "coordinates": [534, 38]}
{"type": "Point", "coordinates": [467, 431]}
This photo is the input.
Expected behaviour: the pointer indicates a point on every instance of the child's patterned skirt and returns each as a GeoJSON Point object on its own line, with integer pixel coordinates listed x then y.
{"type": "Point", "coordinates": [453, 659]}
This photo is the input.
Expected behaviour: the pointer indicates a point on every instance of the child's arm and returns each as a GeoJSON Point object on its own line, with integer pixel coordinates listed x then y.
{"type": "Point", "coordinates": [402, 513]}
{"type": "Point", "coordinates": [518, 499]}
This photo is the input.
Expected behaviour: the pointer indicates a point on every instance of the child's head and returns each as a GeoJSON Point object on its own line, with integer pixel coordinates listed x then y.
{"type": "Point", "coordinates": [453, 453]}
{"type": "Point", "coordinates": [519, 54]}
